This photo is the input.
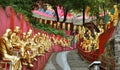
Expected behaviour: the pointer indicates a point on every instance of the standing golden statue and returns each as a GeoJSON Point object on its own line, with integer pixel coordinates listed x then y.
{"type": "Point", "coordinates": [113, 17]}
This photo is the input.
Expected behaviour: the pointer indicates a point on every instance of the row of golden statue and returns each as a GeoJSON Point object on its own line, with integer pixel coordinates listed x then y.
{"type": "Point", "coordinates": [91, 40]}
{"type": "Point", "coordinates": [88, 41]}
{"type": "Point", "coordinates": [23, 50]}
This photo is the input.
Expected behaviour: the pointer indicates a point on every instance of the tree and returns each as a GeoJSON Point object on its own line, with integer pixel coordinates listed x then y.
{"type": "Point", "coordinates": [80, 6]}
{"type": "Point", "coordinates": [54, 4]}
{"type": "Point", "coordinates": [20, 6]}
{"type": "Point", "coordinates": [65, 4]}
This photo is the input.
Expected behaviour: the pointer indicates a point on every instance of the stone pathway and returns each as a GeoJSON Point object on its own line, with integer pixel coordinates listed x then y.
{"type": "Point", "coordinates": [66, 61]}
{"type": "Point", "coordinates": [52, 65]}
{"type": "Point", "coordinates": [75, 62]}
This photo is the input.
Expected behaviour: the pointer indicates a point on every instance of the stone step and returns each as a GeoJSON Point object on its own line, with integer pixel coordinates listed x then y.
{"type": "Point", "coordinates": [75, 62]}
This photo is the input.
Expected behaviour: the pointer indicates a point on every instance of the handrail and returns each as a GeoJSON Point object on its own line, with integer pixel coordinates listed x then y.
{"type": "Point", "coordinates": [106, 62]}
{"type": "Point", "coordinates": [95, 65]}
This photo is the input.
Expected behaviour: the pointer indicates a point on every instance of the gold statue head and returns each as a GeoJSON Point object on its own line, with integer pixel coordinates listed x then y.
{"type": "Point", "coordinates": [38, 33]}
{"type": "Point", "coordinates": [29, 33]}
{"type": "Point", "coordinates": [17, 29]}
{"type": "Point", "coordinates": [8, 32]}
{"type": "Point", "coordinates": [115, 6]}
{"type": "Point", "coordinates": [24, 36]}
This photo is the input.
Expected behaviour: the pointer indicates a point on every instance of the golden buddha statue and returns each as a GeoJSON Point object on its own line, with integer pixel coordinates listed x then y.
{"type": "Point", "coordinates": [68, 28]}
{"type": "Point", "coordinates": [65, 42]}
{"type": "Point", "coordinates": [84, 43]}
{"type": "Point", "coordinates": [29, 33]}
{"type": "Point", "coordinates": [15, 39]}
{"type": "Point", "coordinates": [63, 26]}
{"type": "Point", "coordinates": [58, 24]}
{"type": "Point", "coordinates": [79, 29]}
{"type": "Point", "coordinates": [113, 17]}
{"type": "Point", "coordinates": [74, 28]}
{"type": "Point", "coordinates": [51, 22]}
{"type": "Point", "coordinates": [82, 32]}
{"type": "Point", "coordinates": [45, 21]}
{"type": "Point", "coordinates": [6, 50]}
{"type": "Point", "coordinates": [38, 46]}
{"type": "Point", "coordinates": [26, 48]}
{"type": "Point", "coordinates": [116, 12]}
{"type": "Point", "coordinates": [41, 45]}
{"type": "Point", "coordinates": [90, 45]}
{"type": "Point", "coordinates": [96, 40]}
{"type": "Point", "coordinates": [55, 25]}
{"type": "Point", "coordinates": [116, 15]}
{"type": "Point", "coordinates": [102, 29]}
{"type": "Point", "coordinates": [40, 20]}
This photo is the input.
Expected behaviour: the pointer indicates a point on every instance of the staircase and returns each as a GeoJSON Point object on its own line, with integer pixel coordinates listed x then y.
{"type": "Point", "coordinates": [73, 59]}
{"type": "Point", "coordinates": [75, 62]}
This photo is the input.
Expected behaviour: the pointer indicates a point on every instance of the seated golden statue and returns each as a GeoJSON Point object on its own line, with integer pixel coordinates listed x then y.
{"type": "Point", "coordinates": [15, 40]}
{"type": "Point", "coordinates": [96, 41]}
{"type": "Point", "coordinates": [26, 51]}
{"type": "Point", "coordinates": [6, 51]}
{"type": "Point", "coordinates": [90, 47]}
{"type": "Point", "coordinates": [87, 43]}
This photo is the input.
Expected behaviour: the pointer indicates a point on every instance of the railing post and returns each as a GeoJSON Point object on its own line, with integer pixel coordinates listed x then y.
{"type": "Point", "coordinates": [94, 65]}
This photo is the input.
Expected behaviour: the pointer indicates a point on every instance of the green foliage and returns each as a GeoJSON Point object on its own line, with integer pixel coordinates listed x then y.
{"type": "Point", "coordinates": [24, 7]}
{"type": "Point", "coordinates": [20, 6]}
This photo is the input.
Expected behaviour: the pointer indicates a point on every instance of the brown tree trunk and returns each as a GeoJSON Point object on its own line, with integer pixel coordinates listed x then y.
{"type": "Point", "coordinates": [65, 15]}
{"type": "Point", "coordinates": [56, 13]}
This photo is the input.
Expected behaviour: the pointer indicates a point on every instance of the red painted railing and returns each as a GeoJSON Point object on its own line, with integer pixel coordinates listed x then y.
{"type": "Point", "coordinates": [9, 19]}
{"type": "Point", "coordinates": [95, 55]}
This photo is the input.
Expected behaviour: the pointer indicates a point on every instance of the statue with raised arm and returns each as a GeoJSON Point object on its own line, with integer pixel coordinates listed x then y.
{"type": "Point", "coordinates": [113, 17]}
